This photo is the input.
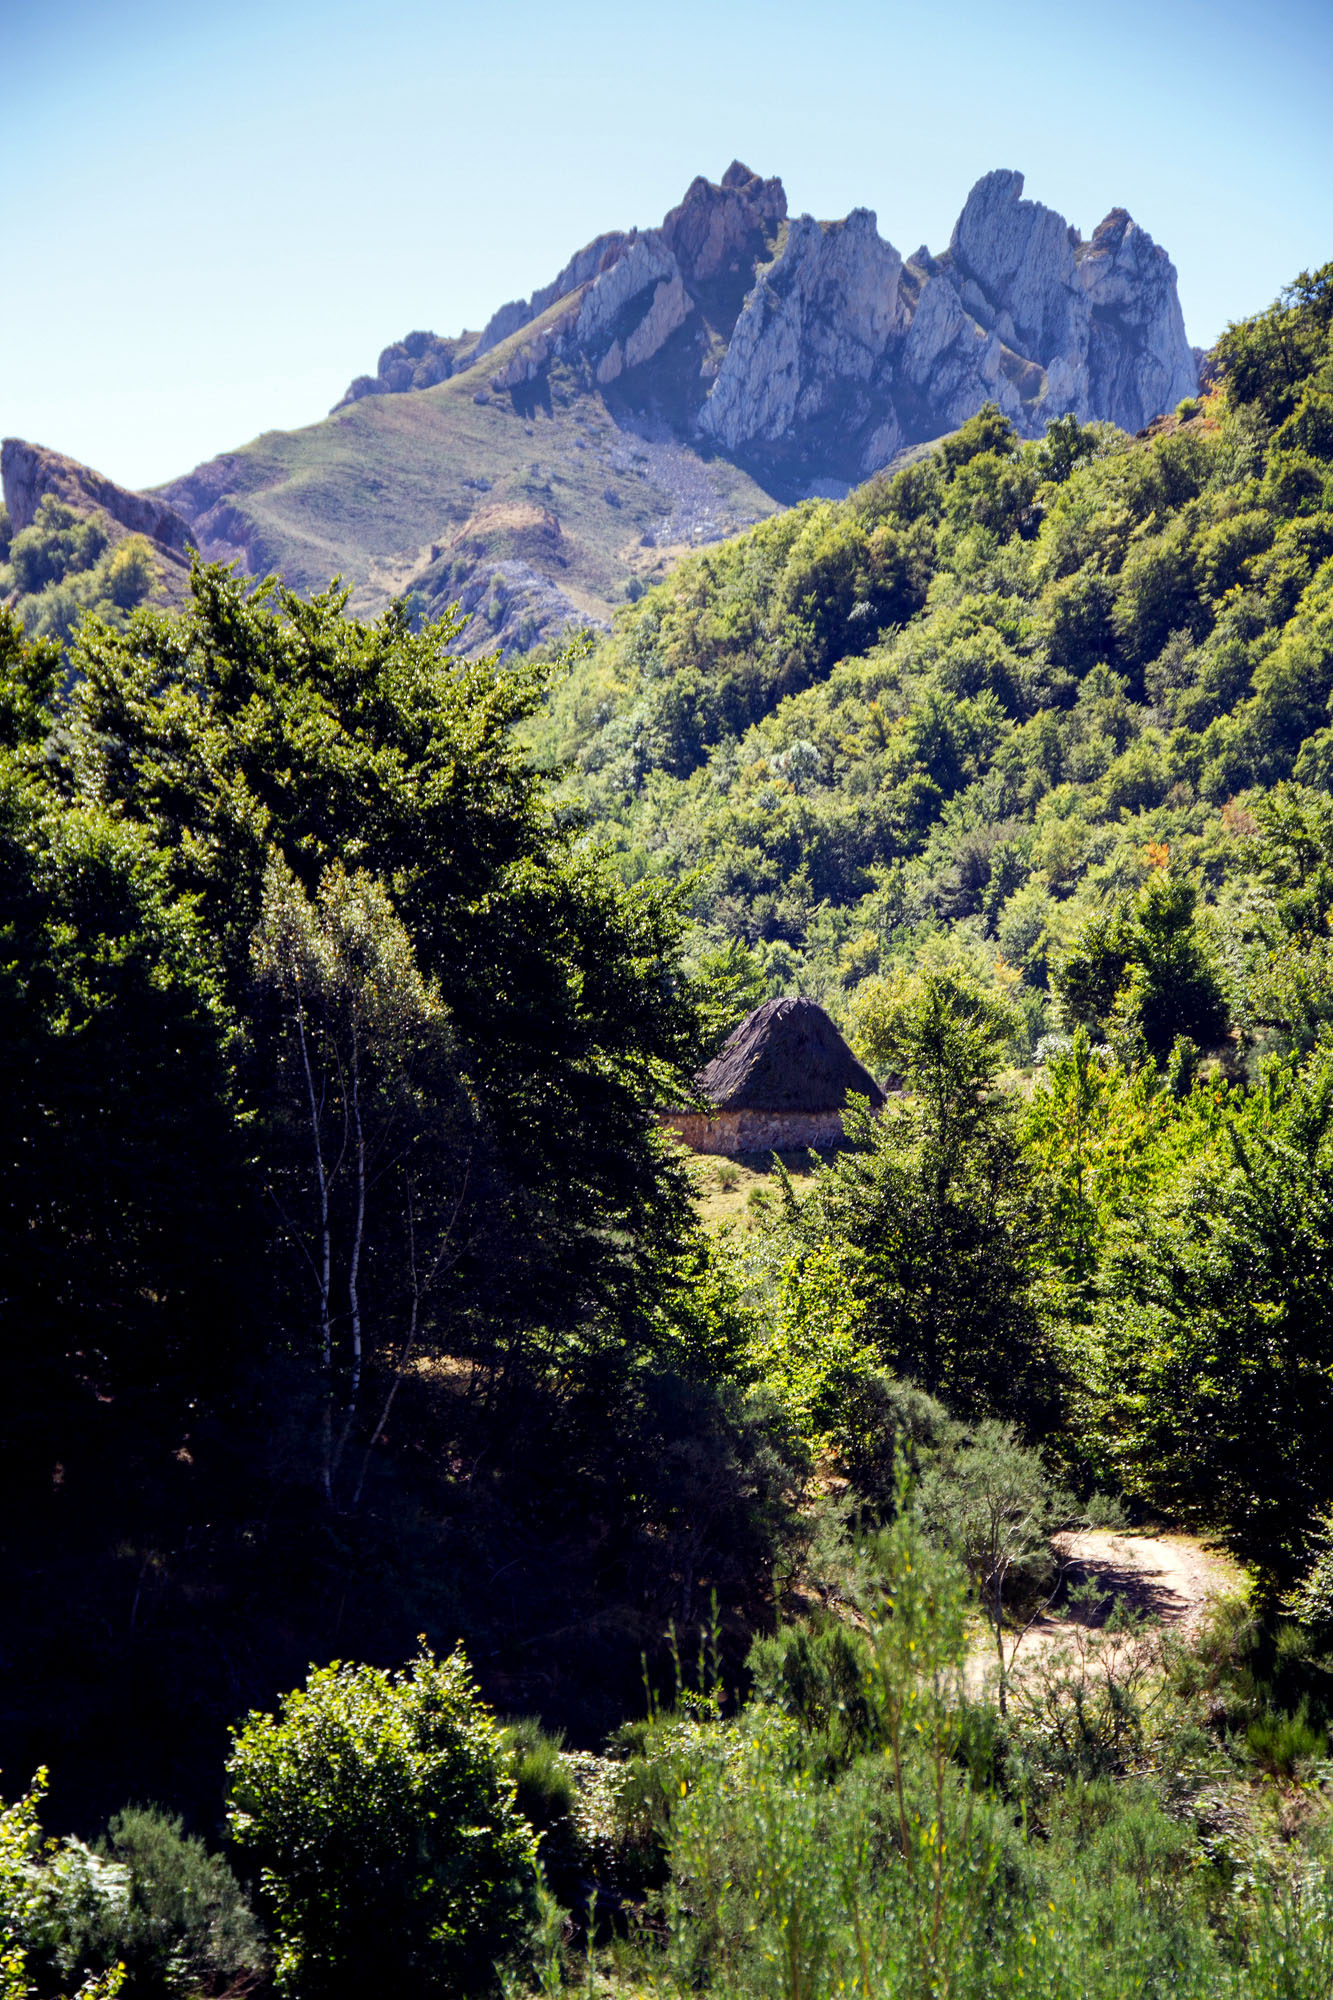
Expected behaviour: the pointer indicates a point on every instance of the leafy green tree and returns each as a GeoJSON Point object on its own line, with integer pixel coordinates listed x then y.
{"type": "Point", "coordinates": [370, 1152]}
{"type": "Point", "coordinates": [58, 543]}
{"type": "Point", "coordinates": [1289, 987]}
{"type": "Point", "coordinates": [931, 1207]}
{"type": "Point", "coordinates": [731, 983]}
{"type": "Point", "coordinates": [1143, 967]}
{"type": "Point", "coordinates": [1102, 1140]}
{"type": "Point", "coordinates": [1067, 444]}
{"type": "Point", "coordinates": [124, 1211]}
{"type": "Point", "coordinates": [1216, 1316]}
{"type": "Point", "coordinates": [379, 1812]}
{"type": "Point", "coordinates": [262, 724]}
{"type": "Point", "coordinates": [992, 1501]}
{"type": "Point", "coordinates": [1266, 360]}
{"type": "Point", "coordinates": [29, 675]}
{"type": "Point", "coordinates": [989, 432]}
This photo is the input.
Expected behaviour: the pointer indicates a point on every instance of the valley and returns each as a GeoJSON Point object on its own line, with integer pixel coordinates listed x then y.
{"type": "Point", "coordinates": [511, 1553]}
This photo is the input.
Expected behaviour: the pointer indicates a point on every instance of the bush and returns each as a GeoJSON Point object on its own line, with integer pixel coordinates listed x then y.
{"type": "Point", "coordinates": [25, 1895]}
{"type": "Point", "coordinates": [152, 1899]}
{"type": "Point", "coordinates": [1280, 1742]}
{"type": "Point", "coordinates": [547, 1794]}
{"type": "Point", "coordinates": [818, 1676]}
{"type": "Point", "coordinates": [544, 1788]}
{"type": "Point", "coordinates": [129, 572]}
{"type": "Point", "coordinates": [391, 1853]}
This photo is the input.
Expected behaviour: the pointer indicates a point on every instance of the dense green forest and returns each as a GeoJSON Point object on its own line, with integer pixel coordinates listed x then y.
{"type": "Point", "coordinates": [439, 1563]}
{"type": "Point", "coordinates": [974, 700]}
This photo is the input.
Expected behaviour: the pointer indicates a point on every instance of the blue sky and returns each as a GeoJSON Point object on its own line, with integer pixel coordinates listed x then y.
{"type": "Point", "coordinates": [212, 219]}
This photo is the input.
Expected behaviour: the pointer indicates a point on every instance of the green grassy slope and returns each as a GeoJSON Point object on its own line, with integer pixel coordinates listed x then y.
{"type": "Point", "coordinates": [385, 489]}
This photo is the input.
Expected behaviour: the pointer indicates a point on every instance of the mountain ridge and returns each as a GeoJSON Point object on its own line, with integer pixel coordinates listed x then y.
{"type": "Point", "coordinates": [675, 384]}
{"type": "Point", "coordinates": [1019, 307]}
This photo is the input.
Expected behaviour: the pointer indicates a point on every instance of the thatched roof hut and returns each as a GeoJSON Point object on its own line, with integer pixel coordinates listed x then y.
{"type": "Point", "coordinates": [780, 1082]}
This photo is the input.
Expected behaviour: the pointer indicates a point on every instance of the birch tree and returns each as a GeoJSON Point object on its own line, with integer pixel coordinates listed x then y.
{"type": "Point", "coordinates": [370, 1171]}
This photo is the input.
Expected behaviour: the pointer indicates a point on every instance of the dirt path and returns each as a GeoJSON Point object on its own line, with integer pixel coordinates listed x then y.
{"type": "Point", "coordinates": [1170, 1578]}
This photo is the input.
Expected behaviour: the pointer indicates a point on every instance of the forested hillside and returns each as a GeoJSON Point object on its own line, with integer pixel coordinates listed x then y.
{"type": "Point", "coordinates": [979, 700]}
{"type": "Point", "coordinates": [381, 1406]}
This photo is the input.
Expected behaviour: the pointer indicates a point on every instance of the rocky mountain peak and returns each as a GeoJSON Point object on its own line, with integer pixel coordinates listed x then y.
{"type": "Point", "coordinates": [673, 383]}
{"type": "Point", "coordinates": [738, 175]}
{"type": "Point", "coordinates": [1016, 264]}
{"type": "Point", "coordinates": [721, 226]}
{"type": "Point", "coordinates": [811, 338]}
{"type": "Point", "coordinates": [797, 346]}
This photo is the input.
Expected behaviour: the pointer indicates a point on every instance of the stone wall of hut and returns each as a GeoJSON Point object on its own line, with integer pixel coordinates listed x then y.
{"type": "Point", "coordinates": [754, 1131]}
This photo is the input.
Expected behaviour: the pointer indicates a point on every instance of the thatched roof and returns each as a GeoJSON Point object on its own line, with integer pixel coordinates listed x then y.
{"type": "Point", "coordinates": [786, 1056]}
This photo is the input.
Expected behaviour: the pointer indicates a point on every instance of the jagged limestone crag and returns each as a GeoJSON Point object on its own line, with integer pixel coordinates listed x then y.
{"type": "Point", "coordinates": [811, 350]}
{"type": "Point", "coordinates": [672, 385]}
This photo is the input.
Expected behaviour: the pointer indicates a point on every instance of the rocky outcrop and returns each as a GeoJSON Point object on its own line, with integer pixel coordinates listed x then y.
{"type": "Point", "coordinates": [510, 601]}
{"type": "Point", "coordinates": [813, 360]}
{"type": "Point", "coordinates": [624, 291]}
{"type": "Point", "coordinates": [805, 352]}
{"type": "Point", "coordinates": [1014, 265]}
{"type": "Point", "coordinates": [634, 289]}
{"type": "Point", "coordinates": [29, 472]}
{"type": "Point", "coordinates": [725, 227]}
{"type": "Point", "coordinates": [814, 357]}
{"type": "Point", "coordinates": [583, 267]}
{"type": "Point", "coordinates": [1139, 360]}
{"type": "Point", "coordinates": [211, 499]}
{"type": "Point", "coordinates": [418, 361]}
{"type": "Point", "coordinates": [949, 365]}
{"type": "Point", "coordinates": [528, 359]}
{"type": "Point", "coordinates": [812, 337]}
{"type": "Point", "coordinates": [1102, 319]}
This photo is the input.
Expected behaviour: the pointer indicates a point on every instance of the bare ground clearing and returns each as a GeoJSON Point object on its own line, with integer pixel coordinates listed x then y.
{"type": "Point", "coordinates": [1170, 1579]}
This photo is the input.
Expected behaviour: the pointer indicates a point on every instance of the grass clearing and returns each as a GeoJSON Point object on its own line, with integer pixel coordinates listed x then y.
{"type": "Point", "coordinates": [738, 1192]}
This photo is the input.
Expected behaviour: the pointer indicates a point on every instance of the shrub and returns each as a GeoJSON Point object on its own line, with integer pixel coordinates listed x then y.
{"type": "Point", "coordinates": [25, 1885]}
{"type": "Point", "coordinates": [818, 1676]}
{"type": "Point", "coordinates": [1279, 1742]}
{"type": "Point", "coordinates": [391, 1853]}
{"type": "Point", "coordinates": [544, 1787]}
{"type": "Point", "coordinates": [152, 1899]}
{"type": "Point", "coordinates": [129, 572]}
{"type": "Point", "coordinates": [547, 1795]}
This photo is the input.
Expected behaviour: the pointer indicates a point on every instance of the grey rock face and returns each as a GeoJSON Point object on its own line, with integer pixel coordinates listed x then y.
{"type": "Point", "coordinates": [1016, 264]}
{"type": "Point", "coordinates": [719, 229]}
{"type": "Point", "coordinates": [950, 360]}
{"type": "Point", "coordinates": [800, 346]}
{"type": "Point", "coordinates": [30, 472]}
{"type": "Point", "coordinates": [582, 268]}
{"type": "Point", "coordinates": [817, 323]}
{"type": "Point", "coordinates": [1101, 318]}
{"type": "Point", "coordinates": [1140, 362]}
{"type": "Point", "coordinates": [645, 264]}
